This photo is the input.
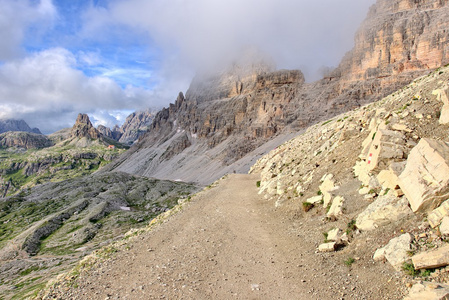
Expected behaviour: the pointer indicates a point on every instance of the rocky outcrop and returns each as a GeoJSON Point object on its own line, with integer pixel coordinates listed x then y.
{"type": "Point", "coordinates": [16, 125]}
{"type": "Point", "coordinates": [425, 180]}
{"type": "Point", "coordinates": [398, 39]}
{"type": "Point", "coordinates": [136, 125]}
{"type": "Point", "coordinates": [24, 140]}
{"type": "Point", "coordinates": [83, 128]}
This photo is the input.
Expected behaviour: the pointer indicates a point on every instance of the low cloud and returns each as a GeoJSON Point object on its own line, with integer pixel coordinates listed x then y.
{"type": "Point", "coordinates": [201, 33]}
{"type": "Point", "coordinates": [16, 17]}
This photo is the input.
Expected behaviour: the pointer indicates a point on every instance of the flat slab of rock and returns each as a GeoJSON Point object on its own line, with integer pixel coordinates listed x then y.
{"type": "Point", "coordinates": [396, 251]}
{"type": "Point", "coordinates": [444, 227]}
{"type": "Point", "coordinates": [432, 259]}
{"type": "Point", "coordinates": [426, 175]}
{"type": "Point", "coordinates": [437, 215]}
{"type": "Point", "coordinates": [336, 207]}
{"type": "Point", "coordinates": [384, 210]}
{"type": "Point", "coordinates": [428, 291]}
{"type": "Point", "coordinates": [327, 247]}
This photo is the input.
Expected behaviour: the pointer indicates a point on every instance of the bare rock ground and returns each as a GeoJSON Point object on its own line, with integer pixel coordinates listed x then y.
{"type": "Point", "coordinates": [231, 243]}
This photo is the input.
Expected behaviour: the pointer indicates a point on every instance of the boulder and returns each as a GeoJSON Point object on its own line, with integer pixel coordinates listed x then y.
{"type": "Point", "coordinates": [396, 251]}
{"type": "Point", "coordinates": [438, 214]}
{"type": "Point", "coordinates": [428, 291]}
{"type": "Point", "coordinates": [425, 179]}
{"type": "Point", "coordinates": [334, 234]}
{"type": "Point", "coordinates": [444, 227]}
{"type": "Point", "coordinates": [326, 187]}
{"type": "Point", "coordinates": [388, 179]}
{"type": "Point", "coordinates": [386, 146]}
{"type": "Point", "coordinates": [315, 200]}
{"type": "Point", "coordinates": [432, 259]}
{"type": "Point", "coordinates": [384, 210]}
{"type": "Point", "coordinates": [442, 95]}
{"type": "Point", "coordinates": [327, 247]}
{"type": "Point", "coordinates": [336, 208]}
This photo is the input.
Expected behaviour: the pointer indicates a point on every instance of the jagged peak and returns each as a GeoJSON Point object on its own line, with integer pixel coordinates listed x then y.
{"type": "Point", "coordinates": [84, 128]}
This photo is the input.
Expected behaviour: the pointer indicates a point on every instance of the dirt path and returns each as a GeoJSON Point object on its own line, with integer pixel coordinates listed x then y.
{"type": "Point", "coordinates": [229, 243]}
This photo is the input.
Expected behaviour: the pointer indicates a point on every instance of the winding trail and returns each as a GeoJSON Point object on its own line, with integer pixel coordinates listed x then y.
{"type": "Point", "coordinates": [228, 243]}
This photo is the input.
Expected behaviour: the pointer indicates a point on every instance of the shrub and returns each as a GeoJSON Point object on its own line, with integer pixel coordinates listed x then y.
{"type": "Point", "coordinates": [349, 261]}
{"type": "Point", "coordinates": [306, 206]}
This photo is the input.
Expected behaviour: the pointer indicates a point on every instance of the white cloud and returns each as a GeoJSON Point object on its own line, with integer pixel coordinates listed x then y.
{"type": "Point", "coordinates": [16, 17]}
{"type": "Point", "coordinates": [48, 85]}
{"type": "Point", "coordinates": [203, 32]}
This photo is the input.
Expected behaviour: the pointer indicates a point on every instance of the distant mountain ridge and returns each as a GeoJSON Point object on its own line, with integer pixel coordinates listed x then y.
{"type": "Point", "coordinates": [16, 125]}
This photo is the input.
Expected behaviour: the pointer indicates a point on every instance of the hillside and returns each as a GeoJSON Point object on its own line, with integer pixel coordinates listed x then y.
{"type": "Point", "coordinates": [28, 159]}
{"type": "Point", "coordinates": [328, 220]}
{"type": "Point", "coordinates": [47, 229]}
{"type": "Point", "coordinates": [225, 120]}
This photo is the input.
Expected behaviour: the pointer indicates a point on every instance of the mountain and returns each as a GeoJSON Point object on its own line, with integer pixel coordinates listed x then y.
{"type": "Point", "coordinates": [16, 125]}
{"type": "Point", "coordinates": [226, 120]}
{"type": "Point", "coordinates": [355, 207]}
{"type": "Point", "coordinates": [29, 159]}
{"type": "Point", "coordinates": [135, 126]}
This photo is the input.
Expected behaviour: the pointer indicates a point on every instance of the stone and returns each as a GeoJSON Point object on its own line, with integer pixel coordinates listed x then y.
{"type": "Point", "coordinates": [396, 251]}
{"type": "Point", "coordinates": [327, 247]}
{"type": "Point", "coordinates": [388, 179]}
{"type": "Point", "coordinates": [315, 200]}
{"type": "Point", "coordinates": [432, 259]}
{"type": "Point", "coordinates": [428, 291]}
{"type": "Point", "coordinates": [426, 176]}
{"type": "Point", "coordinates": [442, 95]}
{"type": "Point", "coordinates": [379, 255]}
{"type": "Point", "coordinates": [384, 210]}
{"type": "Point", "coordinates": [336, 208]}
{"type": "Point", "coordinates": [326, 187]}
{"type": "Point", "coordinates": [434, 218]}
{"type": "Point", "coordinates": [400, 127]}
{"type": "Point", "coordinates": [334, 234]}
{"type": "Point", "coordinates": [444, 227]}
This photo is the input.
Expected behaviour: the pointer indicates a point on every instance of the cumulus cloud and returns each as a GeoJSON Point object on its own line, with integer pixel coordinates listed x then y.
{"type": "Point", "coordinates": [47, 89]}
{"type": "Point", "coordinates": [202, 33]}
{"type": "Point", "coordinates": [16, 17]}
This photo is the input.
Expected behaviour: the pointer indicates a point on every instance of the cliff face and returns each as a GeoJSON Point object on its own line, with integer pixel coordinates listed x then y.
{"type": "Point", "coordinates": [136, 124]}
{"type": "Point", "coordinates": [224, 117]}
{"type": "Point", "coordinates": [398, 41]}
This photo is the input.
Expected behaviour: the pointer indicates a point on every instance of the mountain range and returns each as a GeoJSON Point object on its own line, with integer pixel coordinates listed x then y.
{"type": "Point", "coordinates": [350, 172]}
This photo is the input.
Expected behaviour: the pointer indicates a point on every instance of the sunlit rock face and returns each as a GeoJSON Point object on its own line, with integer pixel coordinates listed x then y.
{"type": "Point", "coordinates": [398, 40]}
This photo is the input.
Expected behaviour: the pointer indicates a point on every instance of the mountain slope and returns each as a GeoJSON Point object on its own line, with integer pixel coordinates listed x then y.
{"type": "Point", "coordinates": [235, 239]}
{"type": "Point", "coordinates": [51, 226]}
{"type": "Point", "coordinates": [225, 120]}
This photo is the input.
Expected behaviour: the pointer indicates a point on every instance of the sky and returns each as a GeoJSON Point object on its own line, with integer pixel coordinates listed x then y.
{"type": "Point", "coordinates": [108, 58]}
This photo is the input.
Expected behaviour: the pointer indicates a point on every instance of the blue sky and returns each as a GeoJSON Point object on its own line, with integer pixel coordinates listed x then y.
{"type": "Point", "coordinates": [108, 58]}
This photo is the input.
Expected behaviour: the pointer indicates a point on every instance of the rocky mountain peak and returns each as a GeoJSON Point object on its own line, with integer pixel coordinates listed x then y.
{"type": "Point", "coordinates": [16, 125]}
{"type": "Point", "coordinates": [84, 128]}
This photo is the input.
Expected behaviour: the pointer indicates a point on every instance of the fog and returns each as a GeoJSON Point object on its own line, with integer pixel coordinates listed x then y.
{"type": "Point", "coordinates": [199, 34]}
{"type": "Point", "coordinates": [48, 76]}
